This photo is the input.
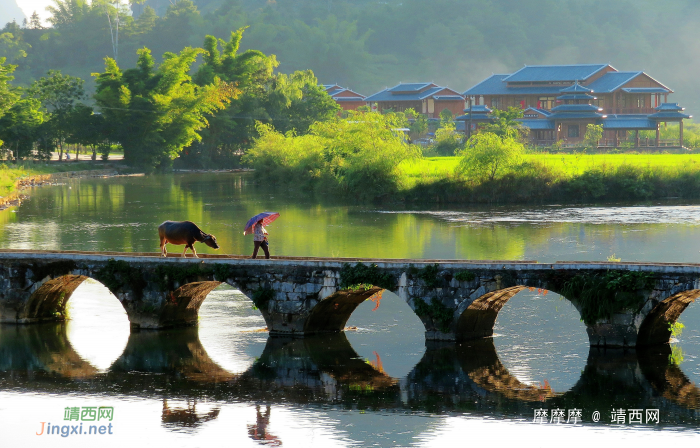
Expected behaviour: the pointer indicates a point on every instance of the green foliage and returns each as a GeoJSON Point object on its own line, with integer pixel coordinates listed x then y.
{"type": "Point", "coordinates": [362, 274]}
{"type": "Point", "coordinates": [356, 156]}
{"type": "Point", "coordinates": [21, 127]}
{"type": "Point", "coordinates": [118, 274]}
{"type": "Point", "coordinates": [8, 95]}
{"type": "Point", "coordinates": [505, 124]}
{"type": "Point", "coordinates": [441, 315]}
{"type": "Point", "coordinates": [447, 139]}
{"type": "Point", "coordinates": [677, 356]}
{"type": "Point", "coordinates": [676, 329]}
{"type": "Point", "coordinates": [594, 132]}
{"type": "Point", "coordinates": [154, 112]}
{"type": "Point", "coordinates": [261, 297]}
{"type": "Point", "coordinates": [171, 274]}
{"type": "Point", "coordinates": [486, 155]}
{"type": "Point", "coordinates": [599, 296]}
{"type": "Point", "coordinates": [428, 274]}
{"type": "Point", "coordinates": [465, 276]}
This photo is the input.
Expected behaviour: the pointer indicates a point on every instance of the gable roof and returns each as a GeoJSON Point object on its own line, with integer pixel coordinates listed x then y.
{"type": "Point", "coordinates": [612, 81]}
{"type": "Point", "coordinates": [533, 73]}
{"type": "Point", "coordinates": [411, 87]}
{"type": "Point", "coordinates": [415, 92]}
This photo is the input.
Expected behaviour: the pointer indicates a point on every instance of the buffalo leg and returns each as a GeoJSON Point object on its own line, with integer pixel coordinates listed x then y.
{"type": "Point", "coordinates": [183, 254]}
{"type": "Point", "coordinates": [194, 251]}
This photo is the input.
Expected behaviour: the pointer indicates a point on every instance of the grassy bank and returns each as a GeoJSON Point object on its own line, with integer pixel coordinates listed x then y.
{"type": "Point", "coordinates": [10, 174]}
{"type": "Point", "coordinates": [551, 177]}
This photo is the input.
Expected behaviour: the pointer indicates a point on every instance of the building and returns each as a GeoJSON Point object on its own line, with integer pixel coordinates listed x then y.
{"type": "Point", "coordinates": [559, 101]}
{"type": "Point", "coordinates": [346, 98]}
{"type": "Point", "coordinates": [426, 98]}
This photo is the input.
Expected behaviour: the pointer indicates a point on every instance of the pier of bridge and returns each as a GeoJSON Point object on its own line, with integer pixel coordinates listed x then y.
{"type": "Point", "coordinates": [622, 304]}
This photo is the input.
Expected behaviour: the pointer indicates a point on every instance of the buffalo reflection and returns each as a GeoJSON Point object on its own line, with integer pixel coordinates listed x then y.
{"type": "Point", "coordinates": [186, 417]}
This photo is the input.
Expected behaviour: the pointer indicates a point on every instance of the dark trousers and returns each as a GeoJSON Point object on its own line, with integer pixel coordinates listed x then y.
{"type": "Point", "coordinates": [258, 244]}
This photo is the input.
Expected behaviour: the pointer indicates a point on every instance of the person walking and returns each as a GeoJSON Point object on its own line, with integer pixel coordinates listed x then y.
{"type": "Point", "coordinates": [260, 239]}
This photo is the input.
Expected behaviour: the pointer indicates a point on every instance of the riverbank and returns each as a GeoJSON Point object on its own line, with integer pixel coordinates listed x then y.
{"type": "Point", "coordinates": [15, 179]}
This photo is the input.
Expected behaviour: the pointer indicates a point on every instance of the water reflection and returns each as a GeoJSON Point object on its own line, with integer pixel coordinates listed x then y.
{"type": "Point", "coordinates": [187, 416]}
{"type": "Point", "coordinates": [327, 371]}
{"type": "Point", "coordinates": [259, 431]}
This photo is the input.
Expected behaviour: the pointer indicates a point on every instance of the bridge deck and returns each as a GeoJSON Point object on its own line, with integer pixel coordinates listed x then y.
{"type": "Point", "coordinates": [680, 268]}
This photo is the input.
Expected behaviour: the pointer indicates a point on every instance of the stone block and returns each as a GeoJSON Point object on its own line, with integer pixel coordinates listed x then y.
{"type": "Point", "coordinates": [478, 293]}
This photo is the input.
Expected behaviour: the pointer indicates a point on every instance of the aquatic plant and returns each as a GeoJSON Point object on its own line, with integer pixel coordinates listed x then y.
{"type": "Point", "coordinates": [365, 274]}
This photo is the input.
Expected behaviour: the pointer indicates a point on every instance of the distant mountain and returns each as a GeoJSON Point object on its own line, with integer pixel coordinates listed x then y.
{"type": "Point", "coordinates": [9, 11]}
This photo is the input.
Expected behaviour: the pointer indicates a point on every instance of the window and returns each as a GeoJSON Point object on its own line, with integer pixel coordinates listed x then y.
{"type": "Point", "coordinates": [623, 101]}
{"type": "Point", "coordinates": [641, 101]}
{"type": "Point", "coordinates": [573, 131]}
{"type": "Point", "coordinates": [600, 102]}
{"type": "Point", "coordinates": [519, 101]}
{"type": "Point", "coordinates": [545, 102]}
{"type": "Point", "coordinates": [495, 102]}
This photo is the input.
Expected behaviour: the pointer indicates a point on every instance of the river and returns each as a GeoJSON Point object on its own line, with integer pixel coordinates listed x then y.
{"type": "Point", "coordinates": [378, 384]}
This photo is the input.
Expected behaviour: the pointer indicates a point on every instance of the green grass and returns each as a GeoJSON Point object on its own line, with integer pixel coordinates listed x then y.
{"type": "Point", "coordinates": [564, 166]}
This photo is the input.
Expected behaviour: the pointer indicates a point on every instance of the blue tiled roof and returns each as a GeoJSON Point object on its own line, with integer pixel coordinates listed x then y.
{"type": "Point", "coordinates": [479, 108]}
{"type": "Point", "coordinates": [494, 85]}
{"type": "Point", "coordinates": [537, 123]}
{"type": "Point", "coordinates": [628, 122]}
{"type": "Point", "coordinates": [410, 87]}
{"type": "Point", "coordinates": [576, 88]}
{"type": "Point", "coordinates": [416, 95]}
{"type": "Point", "coordinates": [349, 98]}
{"type": "Point", "coordinates": [646, 90]}
{"type": "Point", "coordinates": [669, 106]}
{"type": "Point", "coordinates": [612, 81]}
{"type": "Point", "coordinates": [578, 115]}
{"type": "Point", "coordinates": [544, 112]}
{"type": "Point", "coordinates": [555, 72]}
{"type": "Point", "coordinates": [661, 116]}
{"type": "Point", "coordinates": [448, 97]}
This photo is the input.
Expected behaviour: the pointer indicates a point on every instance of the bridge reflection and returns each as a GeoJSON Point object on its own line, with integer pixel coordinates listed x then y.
{"type": "Point", "coordinates": [469, 377]}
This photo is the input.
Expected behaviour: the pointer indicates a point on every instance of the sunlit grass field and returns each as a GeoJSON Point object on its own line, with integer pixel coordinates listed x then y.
{"type": "Point", "coordinates": [432, 169]}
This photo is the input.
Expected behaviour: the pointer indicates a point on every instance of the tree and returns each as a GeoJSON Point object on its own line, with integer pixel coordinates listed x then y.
{"type": "Point", "coordinates": [19, 127]}
{"type": "Point", "coordinates": [59, 94]}
{"type": "Point", "coordinates": [155, 112]}
{"type": "Point", "coordinates": [447, 139]}
{"type": "Point", "coordinates": [594, 132]}
{"type": "Point", "coordinates": [505, 123]}
{"type": "Point", "coordinates": [87, 128]}
{"type": "Point", "coordinates": [232, 129]}
{"type": "Point", "coordinates": [35, 22]}
{"type": "Point", "coordinates": [487, 154]}
{"type": "Point", "coordinates": [8, 95]}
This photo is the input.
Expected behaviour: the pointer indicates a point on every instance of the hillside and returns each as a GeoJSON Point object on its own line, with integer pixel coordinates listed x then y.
{"type": "Point", "coordinates": [367, 45]}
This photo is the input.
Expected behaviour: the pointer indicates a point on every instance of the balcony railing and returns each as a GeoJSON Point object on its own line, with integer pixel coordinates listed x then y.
{"type": "Point", "coordinates": [643, 143]}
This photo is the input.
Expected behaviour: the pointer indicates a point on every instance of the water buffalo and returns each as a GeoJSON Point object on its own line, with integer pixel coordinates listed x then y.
{"type": "Point", "coordinates": [183, 232]}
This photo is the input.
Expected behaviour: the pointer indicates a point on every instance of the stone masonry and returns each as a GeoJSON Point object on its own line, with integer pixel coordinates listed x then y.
{"type": "Point", "coordinates": [455, 299]}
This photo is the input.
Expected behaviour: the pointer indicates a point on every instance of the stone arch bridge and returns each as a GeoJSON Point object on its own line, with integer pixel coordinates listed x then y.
{"type": "Point", "coordinates": [622, 304]}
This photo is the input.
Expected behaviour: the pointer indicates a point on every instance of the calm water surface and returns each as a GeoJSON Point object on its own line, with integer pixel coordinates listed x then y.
{"type": "Point", "coordinates": [226, 383]}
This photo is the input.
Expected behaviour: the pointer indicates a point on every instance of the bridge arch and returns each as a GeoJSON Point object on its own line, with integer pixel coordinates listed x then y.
{"type": "Point", "coordinates": [656, 326]}
{"type": "Point", "coordinates": [332, 313]}
{"type": "Point", "coordinates": [476, 319]}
